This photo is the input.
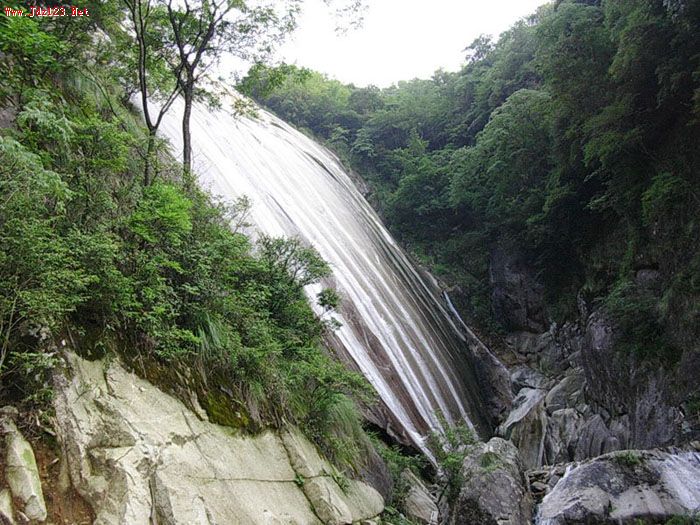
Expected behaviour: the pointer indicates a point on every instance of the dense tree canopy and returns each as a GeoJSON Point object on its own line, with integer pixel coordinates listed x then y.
{"type": "Point", "coordinates": [571, 141]}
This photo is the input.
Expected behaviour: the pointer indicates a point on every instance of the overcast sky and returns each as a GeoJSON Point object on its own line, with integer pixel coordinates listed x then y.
{"type": "Point", "coordinates": [400, 39]}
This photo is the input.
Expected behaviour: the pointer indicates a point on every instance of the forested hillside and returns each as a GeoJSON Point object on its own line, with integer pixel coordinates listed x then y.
{"type": "Point", "coordinates": [109, 249]}
{"type": "Point", "coordinates": [571, 141]}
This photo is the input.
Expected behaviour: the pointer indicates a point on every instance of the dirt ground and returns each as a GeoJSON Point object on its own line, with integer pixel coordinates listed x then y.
{"type": "Point", "coordinates": [65, 507]}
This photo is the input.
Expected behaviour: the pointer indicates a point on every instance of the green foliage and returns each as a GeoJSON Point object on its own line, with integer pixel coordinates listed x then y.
{"type": "Point", "coordinates": [684, 520]}
{"type": "Point", "coordinates": [289, 259]}
{"type": "Point", "coordinates": [42, 279]}
{"type": "Point", "coordinates": [321, 399]}
{"type": "Point", "coordinates": [570, 141]}
{"type": "Point", "coordinates": [392, 516]}
{"type": "Point", "coordinates": [693, 406]}
{"type": "Point", "coordinates": [163, 216]}
{"type": "Point", "coordinates": [95, 259]}
{"type": "Point", "coordinates": [629, 459]}
{"type": "Point", "coordinates": [664, 194]}
{"type": "Point", "coordinates": [398, 462]}
{"type": "Point", "coordinates": [451, 447]}
{"type": "Point", "coordinates": [340, 480]}
{"type": "Point", "coordinates": [503, 177]}
{"type": "Point", "coordinates": [262, 80]}
{"type": "Point", "coordinates": [489, 461]}
{"type": "Point", "coordinates": [641, 325]}
{"type": "Point", "coordinates": [307, 98]}
{"type": "Point", "coordinates": [28, 54]}
{"type": "Point", "coordinates": [219, 409]}
{"type": "Point", "coordinates": [328, 299]}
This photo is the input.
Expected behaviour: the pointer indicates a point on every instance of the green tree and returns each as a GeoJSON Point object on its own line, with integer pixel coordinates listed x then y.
{"type": "Point", "coordinates": [153, 57]}
{"type": "Point", "coordinates": [505, 175]}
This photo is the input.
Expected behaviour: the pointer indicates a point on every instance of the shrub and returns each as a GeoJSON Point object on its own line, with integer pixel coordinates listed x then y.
{"type": "Point", "coordinates": [628, 458]}
{"type": "Point", "coordinates": [398, 462]}
{"type": "Point", "coordinates": [451, 447]}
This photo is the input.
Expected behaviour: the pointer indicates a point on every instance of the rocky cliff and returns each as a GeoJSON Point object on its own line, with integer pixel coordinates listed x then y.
{"type": "Point", "coordinates": [139, 456]}
{"type": "Point", "coordinates": [593, 432]}
{"type": "Point", "coordinates": [576, 395]}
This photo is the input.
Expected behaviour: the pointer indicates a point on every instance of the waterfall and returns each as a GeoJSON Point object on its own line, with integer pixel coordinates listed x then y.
{"type": "Point", "coordinates": [395, 329]}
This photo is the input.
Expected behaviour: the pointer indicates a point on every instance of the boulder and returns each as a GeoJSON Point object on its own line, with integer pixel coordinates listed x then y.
{"type": "Point", "coordinates": [595, 439]}
{"type": "Point", "coordinates": [526, 426]}
{"type": "Point", "coordinates": [327, 501]}
{"type": "Point", "coordinates": [21, 472]}
{"type": "Point", "coordinates": [364, 502]}
{"type": "Point", "coordinates": [526, 377]}
{"type": "Point", "coordinates": [139, 456]}
{"type": "Point", "coordinates": [624, 487]}
{"type": "Point", "coordinates": [527, 344]}
{"type": "Point", "coordinates": [561, 350]}
{"type": "Point", "coordinates": [419, 505]}
{"type": "Point", "coordinates": [495, 489]}
{"type": "Point", "coordinates": [566, 394]}
{"type": "Point", "coordinates": [562, 435]}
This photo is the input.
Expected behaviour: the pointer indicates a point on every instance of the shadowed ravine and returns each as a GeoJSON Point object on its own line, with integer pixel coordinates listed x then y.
{"type": "Point", "coordinates": [395, 329]}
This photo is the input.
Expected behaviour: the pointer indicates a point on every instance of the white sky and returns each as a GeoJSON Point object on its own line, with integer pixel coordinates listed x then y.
{"type": "Point", "coordinates": [400, 39]}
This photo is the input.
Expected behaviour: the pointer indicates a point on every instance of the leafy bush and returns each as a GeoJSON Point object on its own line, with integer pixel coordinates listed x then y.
{"type": "Point", "coordinates": [28, 54]}
{"type": "Point", "coordinates": [684, 520]}
{"type": "Point", "coordinates": [451, 447]}
{"type": "Point", "coordinates": [162, 216]}
{"type": "Point", "coordinates": [398, 462]}
{"type": "Point", "coordinates": [628, 458]}
{"type": "Point", "coordinates": [641, 328]}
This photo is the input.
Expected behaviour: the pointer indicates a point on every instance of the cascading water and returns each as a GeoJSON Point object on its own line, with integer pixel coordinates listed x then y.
{"type": "Point", "coordinates": [395, 329]}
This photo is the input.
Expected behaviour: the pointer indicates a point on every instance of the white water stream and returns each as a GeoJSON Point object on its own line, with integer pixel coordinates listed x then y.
{"type": "Point", "coordinates": [395, 329]}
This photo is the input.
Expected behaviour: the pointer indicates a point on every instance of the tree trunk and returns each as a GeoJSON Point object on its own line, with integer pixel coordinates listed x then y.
{"type": "Point", "coordinates": [148, 177]}
{"type": "Point", "coordinates": [186, 134]}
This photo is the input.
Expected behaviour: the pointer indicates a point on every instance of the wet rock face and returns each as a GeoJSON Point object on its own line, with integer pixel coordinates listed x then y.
{"type": "Point", "coordinates": [139, 456]}
{"type": "Point", "coordinates": [493, 381]}
{"type": "Point", "coordinates": [623, 487]}
{"type": "Point", "coordinates": [517, 297]}
{"type": "Point", "coordinates": [495, 490]}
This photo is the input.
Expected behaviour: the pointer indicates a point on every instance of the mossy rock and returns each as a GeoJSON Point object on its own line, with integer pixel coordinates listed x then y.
{"type": "Point", "coordinates": [221, 411]}
{"type": "Point", "coordinates": [490, 461]}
